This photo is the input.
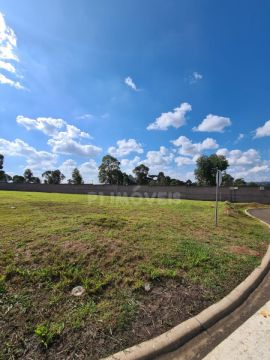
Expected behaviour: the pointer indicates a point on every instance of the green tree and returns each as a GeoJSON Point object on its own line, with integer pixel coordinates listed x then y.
{"type": "Point", "coordinates": [162, 179]}
{"type": "Point", "coordinates": [53, 176]}
{"type": "Point", "coordinates": [252, 184]}
{"type": "Point", "coordinates": [227, 180]}
{"type": "Point", "coordinates": [28, 175]}
{"type": "Point", "coordinates": [239, 182]}
{"type": "Point", "coordinates": [207, 167]}
{"type": "Point", "coordinates": [141, 174]}
{"type": "Point", "coordinates": [175, 182]}
{"type": "Point", "coordinates": [7, 178]}
{"type": "Point", "coordinates": [35, 180]}
{"type": "Point", "coordinates": [109, 171]}
{"type": "Point", "coordinates": [1, 161]}
{"type": "Point", "coordinates": [76, 177]}
{"type": "Point", "coordinates": [128, 179]}
{"type": "Point", "coordinates": [3, 177]}
{"type": "Point", "coordinates": [18, 179]}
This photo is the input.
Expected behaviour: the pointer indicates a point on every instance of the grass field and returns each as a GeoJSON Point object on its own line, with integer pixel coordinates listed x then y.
{"type": "Point", "coordinates": [115, 248]}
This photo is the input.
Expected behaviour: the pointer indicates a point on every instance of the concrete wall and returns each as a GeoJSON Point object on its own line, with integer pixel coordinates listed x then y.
{"type": "Point", "coordinates": [242, 194]}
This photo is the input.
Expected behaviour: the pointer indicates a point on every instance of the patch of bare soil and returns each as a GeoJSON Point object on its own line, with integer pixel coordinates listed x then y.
{"type": "Point", "coordinates": [167, 304]}
{"type": "Point", "coordinates": [244, 250]}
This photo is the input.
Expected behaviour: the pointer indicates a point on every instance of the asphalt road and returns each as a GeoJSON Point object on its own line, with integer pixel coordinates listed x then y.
{"type": "Point", "coordinates": [262, 214]}
{"type": "Point", "coordinates": [201, 345]}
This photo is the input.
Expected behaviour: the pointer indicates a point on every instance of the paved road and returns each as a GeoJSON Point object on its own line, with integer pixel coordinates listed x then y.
{"type": "Point", "coordinates": [204, 343]}
{"type": "Point", "coordinates": [263, 214]}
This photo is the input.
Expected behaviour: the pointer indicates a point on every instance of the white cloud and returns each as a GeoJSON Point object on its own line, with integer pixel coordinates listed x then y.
{"type": "Point", "coordinates": [67, 167]}
{"type": "Point", "coordinates": [49, 126]}
{"type": "Point", "coordinates": [6, 81]}
{"type": "Point", "coordinates": [175, 118]}
{"type": "Point", "coordinates": [253, 173]}
{"type": "Point", "coordinates": [88, 170]}
{"type": "Point", "coordinates": [129, 82]}
{"type": "Point", "coordinates": [158, 160]}
{"type": "Point", "coordinates": [8, 45]}
{"type": "Point", "coordinates": [68, 146]}
{"type": "Point", "coordinates": [246, 164]}
{"type": "Point", "coordinates": [195, 77]}
{"type": "Point", "coordinates": [128, 165]}
{"type": "Point", "coordinates": [125, 147]}
{"type": "Point", "coordinates": [181, 160]}
{"type": "Point", "coordinates": [213, 123]}
{"type": "Point", "coordinates": [188, 148]}
{"type": "Point", "coordinates": [85, 117]}
{"type": "Point", "coordinates": [34, 158]}
{"type": "Point", "coordinates": [259, 168]}
{"type": "Point", "coordinates": [62, 142]}
{"type": "Point", "coordinates": [72, 132]}
{"type": "Point", "coordinates": [239, 138]}
{"type": "Point", "coordinates": [238, 157]}
{"type": "Point", "coordinates": [263, 130]}
{"type": "Point", "coordinates": [7, 66]}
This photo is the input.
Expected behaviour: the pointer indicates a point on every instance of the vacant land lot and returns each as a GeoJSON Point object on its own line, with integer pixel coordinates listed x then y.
{"type": "Point", "coordinates": [145, 265]}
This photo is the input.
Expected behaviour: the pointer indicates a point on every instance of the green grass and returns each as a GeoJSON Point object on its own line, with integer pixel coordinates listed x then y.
{"type": "Point", "coordinates": [112, 247]}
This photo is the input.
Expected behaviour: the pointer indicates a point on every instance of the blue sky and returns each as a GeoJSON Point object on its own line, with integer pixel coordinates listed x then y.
{"type": "Point", "coordinates": [158, 82]}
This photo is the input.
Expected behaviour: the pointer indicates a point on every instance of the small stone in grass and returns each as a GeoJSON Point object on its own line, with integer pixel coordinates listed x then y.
{"type": "Point", "coordinates": [78, 291]}
{"type": "Point", "coordinates": [13, 207]}
{"type": "Point", "coordinates": [147, 287]}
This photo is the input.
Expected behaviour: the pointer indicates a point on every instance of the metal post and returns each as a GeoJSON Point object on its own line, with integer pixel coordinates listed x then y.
{"type": "Point", "coordinates": [218, 183]}
{"type": "Point", "coordinates": [216, 211]}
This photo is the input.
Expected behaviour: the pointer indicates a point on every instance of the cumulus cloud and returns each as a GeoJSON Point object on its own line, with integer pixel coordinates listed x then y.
{"type": "Point", "coordinates": [34, 158]}
{"type": "Point", "coordinates": [182, 160]}
{"type": "Point", "coordinates": [62, 142]}
{"type": "Point", "coordinates": [213, 123]}
{"type": "Point", "coordinates": [195, 77]}
{"type": "Point", "coordinates": [127, 165]}
{"type": "Point", "coordinates": [125, 147]}
{"type": "Point", "coordinates": [68, 146]}
{"type": "Point", "coordinates": [8, 45]}
{"type": "Point", "coordinates": [156, 160]}
{"type": "Point", "coordinates": [129, 82]}
{"type": "Point", "coordinates": [67, 167]}
{"type": "Point", "coordinates": [188, 148]}
{"type": "Point", "coordinates": [263, 130]}
{"type": "Point", "coordinates": [161, 157]}
{"type": "Point", "coordinates": [252, 173]}
{"type": "Point", "coordinates": [72, 132]}
{"type": "Point", "coordinates": [88, 170]}
{"type": "Point", "coordinates": [246, 164]}
{"type": "Point", "coordinates": [175, 118]}
{"type": "Point", "coordinates": [49, 126]}
{"type": "Point", "coordinates": [238, 157]}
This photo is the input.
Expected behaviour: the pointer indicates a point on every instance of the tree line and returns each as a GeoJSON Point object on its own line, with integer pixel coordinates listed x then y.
{"type": "Point", "coordinates": [109, 172]}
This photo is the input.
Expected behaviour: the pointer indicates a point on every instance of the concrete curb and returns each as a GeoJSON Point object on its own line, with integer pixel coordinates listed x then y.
{"type": "Point", "coordinates": [185, 331]}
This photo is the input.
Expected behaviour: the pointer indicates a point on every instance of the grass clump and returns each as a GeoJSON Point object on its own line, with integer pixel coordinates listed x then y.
{"type": "Point", "coordinates": [48, 333]}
